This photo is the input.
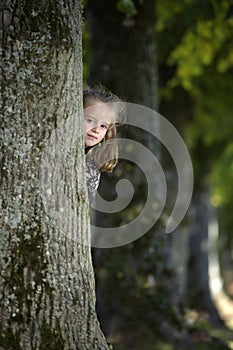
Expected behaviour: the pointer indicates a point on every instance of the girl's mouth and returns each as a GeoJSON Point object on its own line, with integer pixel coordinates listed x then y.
{"type": "Point", "coordinates": [92, 137]}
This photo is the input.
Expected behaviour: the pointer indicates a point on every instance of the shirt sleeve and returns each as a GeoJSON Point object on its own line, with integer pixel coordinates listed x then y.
{"type": "Point", "coordinates": [92, 178]}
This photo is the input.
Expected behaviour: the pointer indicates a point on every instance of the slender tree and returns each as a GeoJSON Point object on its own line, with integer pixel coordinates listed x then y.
{"type": "Point", "coordinates": [47, 298]}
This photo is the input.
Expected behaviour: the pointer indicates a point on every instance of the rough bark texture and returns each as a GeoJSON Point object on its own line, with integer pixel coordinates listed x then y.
{"type": "Point", "coordinates": [47, 298]}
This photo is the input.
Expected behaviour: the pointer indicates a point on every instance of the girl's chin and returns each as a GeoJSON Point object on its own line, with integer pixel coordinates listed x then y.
{"type": "Point", "coordinates": [91, 144]}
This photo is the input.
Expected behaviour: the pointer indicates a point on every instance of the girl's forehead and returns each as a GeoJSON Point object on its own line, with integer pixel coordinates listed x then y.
{"type": "Point", "coordinates": [99, 110]}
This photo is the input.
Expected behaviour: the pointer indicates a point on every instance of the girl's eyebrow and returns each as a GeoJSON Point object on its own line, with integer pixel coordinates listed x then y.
{"type": "Point", "coordinates": [89, 115]}
{"type": "Point", "coordinates": [93, 117]}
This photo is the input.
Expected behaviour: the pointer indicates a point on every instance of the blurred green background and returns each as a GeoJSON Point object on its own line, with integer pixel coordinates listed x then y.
{"type": "Point", "coordinates": [165, 292]}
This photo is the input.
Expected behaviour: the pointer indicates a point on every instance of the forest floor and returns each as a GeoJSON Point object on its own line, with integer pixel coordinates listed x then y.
{"type": "Point", "coordinates": [199, 330]}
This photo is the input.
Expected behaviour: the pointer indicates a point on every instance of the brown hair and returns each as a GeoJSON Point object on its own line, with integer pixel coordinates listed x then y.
{"type": "Point", "coordinates": [105, 154]}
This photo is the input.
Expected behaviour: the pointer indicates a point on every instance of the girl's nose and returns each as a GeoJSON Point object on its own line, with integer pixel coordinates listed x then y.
{"type": "Point", "coordinates": [96, 128]}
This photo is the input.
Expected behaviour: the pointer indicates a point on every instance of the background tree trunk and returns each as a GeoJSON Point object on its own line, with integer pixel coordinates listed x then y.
{"type": "Point", "coordinates": [190, 240]}
{"type": "Point", "coordinates": [198, 288]}
{"type": "Point", "coordinates": [46, 283]}
{"type": "Point", "coordinates": [139, 276]}
{"type": "Point", "coordinates": [125, 59]}
{"type": "Point", "coordinates": [226, 248]}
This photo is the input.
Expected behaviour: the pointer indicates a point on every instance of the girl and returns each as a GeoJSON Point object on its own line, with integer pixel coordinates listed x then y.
{"type": "Point", "coordinates": [102, 110]}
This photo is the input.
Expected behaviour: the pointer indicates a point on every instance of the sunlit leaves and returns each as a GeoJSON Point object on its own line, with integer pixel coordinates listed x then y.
{"type": "Point", "coordinates": [167, 11]}
{"type": "Point", "coordinates": [202, 63]}
{"type": "Point", "coordinates": [206, 39]}
{"type": "Point", "coordinates": [199, 47]}
{"type": "Point", "coordinates": [221, 177]}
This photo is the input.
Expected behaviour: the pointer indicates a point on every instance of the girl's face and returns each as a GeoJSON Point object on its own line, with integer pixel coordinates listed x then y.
{"type": "Point", "coordinates": [97, 119]}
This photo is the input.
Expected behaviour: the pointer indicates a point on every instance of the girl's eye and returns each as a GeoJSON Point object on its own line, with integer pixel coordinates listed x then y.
{"type": "Point", "coordinates": [89, 120]}
{"type": "Point", "coordinates": [103, 126]}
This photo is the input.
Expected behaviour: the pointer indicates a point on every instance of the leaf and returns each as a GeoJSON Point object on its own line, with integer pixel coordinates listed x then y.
{"type": "Point", "coordinates": [127, 7]}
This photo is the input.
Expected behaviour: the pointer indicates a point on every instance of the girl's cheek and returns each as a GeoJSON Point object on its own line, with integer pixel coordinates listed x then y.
{"type": "Point", "coordinates": [86, 127]}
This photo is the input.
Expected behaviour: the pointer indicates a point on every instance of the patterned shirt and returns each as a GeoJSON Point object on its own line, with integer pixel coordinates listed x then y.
{"type": "Point", "coordinates": [93, 179]}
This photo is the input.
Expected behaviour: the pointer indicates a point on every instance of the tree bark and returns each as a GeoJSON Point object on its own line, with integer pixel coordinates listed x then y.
{"type": "Point", "coordinates": [46, 282]}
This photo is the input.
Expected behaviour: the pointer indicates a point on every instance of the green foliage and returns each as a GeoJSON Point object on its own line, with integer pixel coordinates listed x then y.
{"type": "Point", "coordinates": [201, 62]}
{"type": "Point", "coordinates": [203, 41]}
{"type": "Point", "coordinates": [127, 7]}
{"type": "Point", "coordinates": [221, 177]}
{"type": "Point", "coordinates": [213, 125]}
{"type": "Point", "coordinates": [167, 18]}
{"type": "Point", "coordinates": [199, 48]}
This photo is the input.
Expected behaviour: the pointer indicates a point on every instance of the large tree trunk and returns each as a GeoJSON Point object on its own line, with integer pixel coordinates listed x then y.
{"type": "Point", "coordinates": [46, 283]}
